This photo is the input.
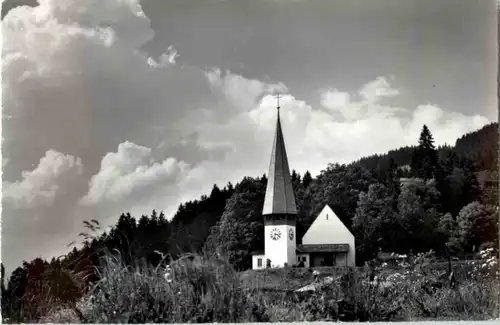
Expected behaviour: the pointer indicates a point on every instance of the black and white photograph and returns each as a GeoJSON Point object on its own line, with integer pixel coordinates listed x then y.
{"type": "Point", "coordinates": [249, 161]}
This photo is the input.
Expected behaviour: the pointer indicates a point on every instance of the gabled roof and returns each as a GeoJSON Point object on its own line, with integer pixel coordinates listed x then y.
{"type": "Point", "coordinates": [327, 228]}
{"type": "Point", "coordinates": [280, 198]}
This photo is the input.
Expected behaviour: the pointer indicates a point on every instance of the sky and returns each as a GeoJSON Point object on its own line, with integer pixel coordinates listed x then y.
{"type": "Point", "coordinates": [127, 105]}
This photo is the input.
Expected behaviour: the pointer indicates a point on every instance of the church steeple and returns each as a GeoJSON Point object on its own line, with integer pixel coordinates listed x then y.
{"type": "Point", "coordinates": [280, 198]}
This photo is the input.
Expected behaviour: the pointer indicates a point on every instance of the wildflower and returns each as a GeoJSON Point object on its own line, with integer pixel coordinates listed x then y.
{"type": "Point", "coordinates": [168, 274]}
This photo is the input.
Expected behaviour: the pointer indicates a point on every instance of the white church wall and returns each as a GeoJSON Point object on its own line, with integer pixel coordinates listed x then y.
{"type": "Point", "coordinates": [258, 262]}
{"type": "Point", "coordinates": [328, 229]}
{"type": "Point", "coordinates": [283, 249]}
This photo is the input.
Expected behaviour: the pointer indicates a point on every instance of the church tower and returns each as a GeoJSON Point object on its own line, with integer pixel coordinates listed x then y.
{"type": "Point", "coordinates": [280, 210]}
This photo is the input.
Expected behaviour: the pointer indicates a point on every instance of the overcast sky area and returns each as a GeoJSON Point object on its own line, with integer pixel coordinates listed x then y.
{"type": "Point", "coordinates": [120, 105]}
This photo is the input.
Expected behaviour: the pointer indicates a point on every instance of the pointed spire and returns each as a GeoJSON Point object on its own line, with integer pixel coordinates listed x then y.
{"type": "Point", "coordinates": [280, 198]}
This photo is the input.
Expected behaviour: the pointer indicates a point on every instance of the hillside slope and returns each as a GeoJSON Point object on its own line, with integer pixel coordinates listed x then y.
{"type": "Point", "coordinates": [480, 146]}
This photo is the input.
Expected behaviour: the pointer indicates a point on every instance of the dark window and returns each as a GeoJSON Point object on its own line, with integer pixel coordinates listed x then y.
{"type": "Point", "coordinates": [259, 262]}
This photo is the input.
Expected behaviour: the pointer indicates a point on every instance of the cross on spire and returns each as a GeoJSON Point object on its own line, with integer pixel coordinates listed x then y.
{"type": "Point", "coordinates": [278, 99]}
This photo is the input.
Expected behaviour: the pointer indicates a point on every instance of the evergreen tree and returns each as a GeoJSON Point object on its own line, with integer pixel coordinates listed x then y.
{"type": "Point", "coordinates": [424, 162]}
{"type": "Point", "coordinates": [307, 179]}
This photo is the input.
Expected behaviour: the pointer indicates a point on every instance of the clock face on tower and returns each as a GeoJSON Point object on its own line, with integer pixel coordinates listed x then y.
{"type": "Point", "coordinates": [290, 234]}
{"type": "Point", "coordinates": [275, 234]}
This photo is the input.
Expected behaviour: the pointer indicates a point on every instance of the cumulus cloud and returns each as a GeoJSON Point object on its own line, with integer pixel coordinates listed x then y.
{"type": "Point", "coordinates": [37, 211]}
{"type": "Point", "coordinates": [376, 89]}
{"type": "Point", "coordinates": [41, 186]}
{"type": "Point", "coordinates": [167, 58]}
{"type": "Point", "coordinates": [369, 126]}
{"type": "Point", "coordinates": [243, 93]}
{"type": "Point", "coordinates": [76, 68]}
{"type": "Point", "coordinates": [130, 173]}
{"type": "Point", "coordinates": [340, 103]}
{"type": "Point", "coordinates": [345, 129]}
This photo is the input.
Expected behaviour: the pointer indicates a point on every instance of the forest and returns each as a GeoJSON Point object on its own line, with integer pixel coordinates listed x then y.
{"type": "Point", "coordinates": [409, 200]}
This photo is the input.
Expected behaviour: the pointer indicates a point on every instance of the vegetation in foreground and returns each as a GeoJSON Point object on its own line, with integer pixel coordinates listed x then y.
{"type": "Point", "coordinates": [207, 289]}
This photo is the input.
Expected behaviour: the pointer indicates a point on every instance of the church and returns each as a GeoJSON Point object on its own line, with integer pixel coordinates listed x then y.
{"type": "Point", "coordinates": [327, 242]}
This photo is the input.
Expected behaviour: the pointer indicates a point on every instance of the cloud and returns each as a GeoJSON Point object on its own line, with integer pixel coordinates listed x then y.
{"type": "Point", "coordinates": [345, 129]}
{"type": "Point", "coordinates": [167, 58]}
{"type": "Point", "coordinates": [368, 126]}
{"type": "Point", "coordinates": [130, 174]}
{"type": "Point", "coordinates": [38, 210]}
{"type": "Point", "coordinates": [334, 99]}
{"type": "Point", "coordinates": [377, 89]}
{"type": "Point", "coordinates": [77, 69]}
{"type": "Point", "coordinates": [40, 187]}
{"type": "Point", "coordinates": [242, 93]}
{"type": "Point", "coordinates": [340, 103]}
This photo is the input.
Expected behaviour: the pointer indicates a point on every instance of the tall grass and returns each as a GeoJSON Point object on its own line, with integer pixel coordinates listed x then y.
{"type": "Point", "coordinates": [200, 289]}
{"type": "Point", "coordinates": [204, 288]}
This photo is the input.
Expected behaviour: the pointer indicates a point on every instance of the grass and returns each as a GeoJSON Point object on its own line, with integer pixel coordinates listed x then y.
{"type": "Point", "coordinates": [207, 289]}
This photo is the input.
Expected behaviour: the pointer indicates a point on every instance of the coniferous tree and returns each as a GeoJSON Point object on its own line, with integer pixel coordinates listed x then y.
{"type": "Point", "coordinates": [307, 179]}
{"type": "Point", "coordinates": [425, 157]}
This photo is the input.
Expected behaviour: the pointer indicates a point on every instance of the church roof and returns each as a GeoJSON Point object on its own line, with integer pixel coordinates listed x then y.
{"type": "Point", "coordinates": [320, 248]}
{"type": "Point", "coordinates": [280, 198]}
